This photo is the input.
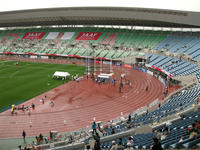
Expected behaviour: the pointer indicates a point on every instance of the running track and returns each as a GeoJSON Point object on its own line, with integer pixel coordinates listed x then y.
{"type": "Point", "coordinates": [79, 103]}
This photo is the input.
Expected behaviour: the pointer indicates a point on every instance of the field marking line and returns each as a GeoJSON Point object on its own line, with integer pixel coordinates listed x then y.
{"type": "Point", "coordinates": [14, 73]}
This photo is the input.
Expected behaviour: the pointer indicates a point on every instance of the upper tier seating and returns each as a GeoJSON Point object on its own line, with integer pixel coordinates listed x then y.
{"type": "Point", "coordinates": [175, 66]}
{"type": "Point", "coordinates": [110, 40]}
{"type": "Point", "coordinates": [118, 40]}
{"type": "Point", "coordinates": [179, 44]}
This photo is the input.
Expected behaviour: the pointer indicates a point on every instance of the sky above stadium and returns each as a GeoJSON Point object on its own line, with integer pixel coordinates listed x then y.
{"type": "Point", "coordinates": [186, 5]}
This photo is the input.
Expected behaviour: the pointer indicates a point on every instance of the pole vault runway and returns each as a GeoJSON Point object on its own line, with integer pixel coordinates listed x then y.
{"type": "Point", "coordinates": [79, 103]}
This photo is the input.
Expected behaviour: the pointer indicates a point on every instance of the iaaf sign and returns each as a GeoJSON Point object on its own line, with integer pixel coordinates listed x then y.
{"type": "Point", "coordinates": [88, 36]}
{"type": "Point", "coordinates": [33, 35]}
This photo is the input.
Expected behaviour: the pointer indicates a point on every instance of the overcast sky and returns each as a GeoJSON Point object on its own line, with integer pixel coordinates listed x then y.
{"type": "Point", "coordinates": [188, 5]}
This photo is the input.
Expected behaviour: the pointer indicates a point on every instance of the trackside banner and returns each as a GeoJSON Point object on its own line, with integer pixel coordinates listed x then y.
{"type": "Point", "coordinates": [33, 35]}
{"type": "Point", "coordinates": [127, 66]}
{"type": "Point", "coordinates": [107, 62]}
{"type": "Point", "coordinates": [60, 35]}
{"type": "Point", "coordinates": [88, 36]}
{"type": "Point", "coordinates": [67, 35]}
{"type": "Point", "coordinates": [159, 69]}
{"type": "Point", "coordinates": [11, 35]}
{"type": "Point", "coordinates": [52, 35]}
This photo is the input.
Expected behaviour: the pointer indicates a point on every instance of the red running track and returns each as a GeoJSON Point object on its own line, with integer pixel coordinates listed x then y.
{"type": "Point", "coordinates": [79, 103]}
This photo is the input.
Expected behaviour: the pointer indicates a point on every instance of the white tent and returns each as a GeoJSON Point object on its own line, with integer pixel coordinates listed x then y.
{"type": "Point", "coordinates": [105, 75]}
{"type": "Point", "coordinates": [59, 74]}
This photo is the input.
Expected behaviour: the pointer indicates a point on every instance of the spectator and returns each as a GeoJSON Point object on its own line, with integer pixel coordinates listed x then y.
{"type": "Point", "coordinates": [94, 127]}
{"type": "Point", "coordinates": [24, 135]}
{"type": "Point", "coordinates": [120, 146]}
{"type": "Point", "coordinates": [159, 105]}
{"type": "Point", "coordinates": [159, 134]}
{"type": "Point", "coordinates": [37, 140]}
{"type": "Point", "coordinates": [197, 125]}
{"type": "Point", "coordinates": [97, 142]}
{"type": "Point", "coordinates": [42, 100]}
{"type": "Point", "coordinates": [33, 106]}
{"type": "Point", "coordinates": [129, 146]}
{"type": "Point", "coordinates": [51, 103]}
{"type": "Point", "coordinates": [51, 135]}
{"type": "Point", "coordinates": [129, 118]}
{"type": "Point", "coordinates": [135, 115]}
{"type": "Point", "coordinates": [147, 88]}
{"type": "Point", "coordinates": [20, 147]}
{"type": "Point", "coordinates": [120, 89]}
{"type": "Point", "coordinates": [193, 132]}
{"type": "Point", "coordinates": [23, 107]}
{"type": "Point", "coordinates": [130, 140]}
{"type": "Point", "coordinates": [182, 116]}
{"type": "Point", "coordinates": [128, 125]}
{"type": "Point", "coordinates": [70, 138]}
{"type": "Point", "coordinates": [147, 111]}
{"type": "Point", "coordinates": [132, 124]}
{"type": "Point", "coordinates": [156, 145]}
{"type": "Point", "coordinates": [121, 84]}
{"type": "Point", "coordinates": [113, 131]}
{"type": "Point", "coordinates": [114, 81]}
{"type": "Point", "coordinates": [130, 84]}
{"type": "Point", "coordinates": [46, 140]}
{"type": "Point", "coordinates": [88, 147]}
{"type": "Point", "coordinates": [166, 132]}
{"type": "Point", "coordinates": [114, 146]}
{"type": "Point", "coordinates": [197, 99]}
{"type": "Point", "coordinates": [181, 139]}
{"type": "Point", "coordinates": [155, 133]}
{"type": "Point", "coordinates": [41, 137]}
{"type": "Point", "coordinates": [181, 106]}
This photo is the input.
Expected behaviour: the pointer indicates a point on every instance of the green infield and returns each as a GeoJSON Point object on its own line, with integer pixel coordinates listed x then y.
{"type": "Point", "coordinates": [21, 81]}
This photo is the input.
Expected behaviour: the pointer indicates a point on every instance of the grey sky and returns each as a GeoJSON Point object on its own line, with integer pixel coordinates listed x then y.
{"type": "Point", "coordinates": [187, 5]}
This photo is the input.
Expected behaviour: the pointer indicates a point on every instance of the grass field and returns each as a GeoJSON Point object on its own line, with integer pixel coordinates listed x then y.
{"type": "Point", "coordinates": [26, 80]}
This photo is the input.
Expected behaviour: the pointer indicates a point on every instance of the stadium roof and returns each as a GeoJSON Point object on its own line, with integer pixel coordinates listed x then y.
{"type": "Point", "coordinates": [184, 5]}
{"type": "Point", "coordinates": [100, 16]}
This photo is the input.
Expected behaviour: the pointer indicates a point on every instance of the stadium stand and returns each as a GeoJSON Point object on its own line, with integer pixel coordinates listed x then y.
{"type": "Point", "coordinates": [176, 131]}
{"type": "Point", "coordinates": [175, 66]}
{"type": "Point", "coordinates": [13, 41]}
{"type": "Point", "coordinates": [112, 44]}
{"type": "Point", "coordinates": [60, 42]}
